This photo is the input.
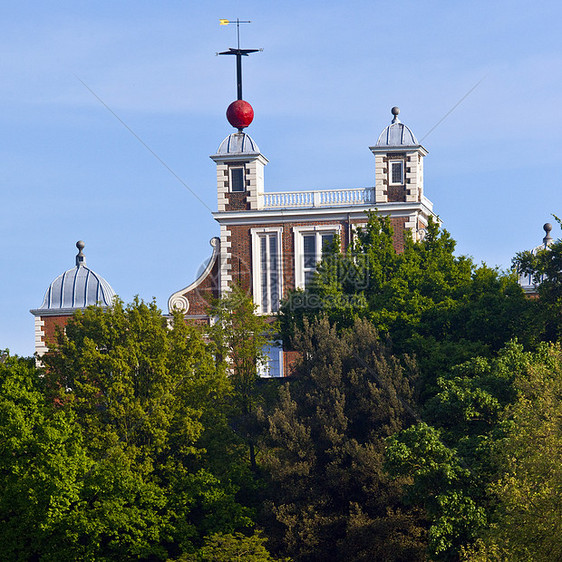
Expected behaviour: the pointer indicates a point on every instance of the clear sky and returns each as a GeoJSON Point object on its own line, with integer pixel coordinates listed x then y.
{"type": "Point", "coordinates": [321, 89]}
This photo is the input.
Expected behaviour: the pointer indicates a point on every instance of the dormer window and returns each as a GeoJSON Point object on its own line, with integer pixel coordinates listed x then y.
{"type": "Point", "coordinates": [396, 172]}
{"type": "Point", "coordinates": [237, 180]}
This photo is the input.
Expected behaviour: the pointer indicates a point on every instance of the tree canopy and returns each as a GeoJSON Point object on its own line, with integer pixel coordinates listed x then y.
{"type": "Point", "coordinates": [527, 523]}
{"type": "Point", "coordinates": [457, 320]}
{"type": "Point", "coordinates": [43, 465]}
{"type": "Point", "coordinates": [448, 456]}
{"type": "Point", "coordinates": [422, 421]}
{"type": "Point", "coordinates": [544, 266]}
{"type": "Point", "coordinates": [330, 499]}
{"type": "Point", "coordinates": [431, 303]}
{"type": "Point", "coordinates": [141, 460]}
{"type": "Point", "coordinates": [239, 337]}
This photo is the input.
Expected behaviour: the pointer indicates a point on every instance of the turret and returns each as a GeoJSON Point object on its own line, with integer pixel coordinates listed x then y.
{"type": "Point", "coordinates": [240, 173]}
{"type": "Point", "coordinates": [74, 289]}
{"type": "Point", "coordinates": [398, 164]}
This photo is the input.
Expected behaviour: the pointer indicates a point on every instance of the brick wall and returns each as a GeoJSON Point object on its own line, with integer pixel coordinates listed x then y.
{"type": "Point", "coordinates": [290, 359]}
{"type": "Point", "coordinates": [237, 201]}
{"type": "Point", "coordinates": [241, 255]}
{"type": "Point", "coordinates": [241, 247]}
{"type": "Point", "coordinates": [51, 324]}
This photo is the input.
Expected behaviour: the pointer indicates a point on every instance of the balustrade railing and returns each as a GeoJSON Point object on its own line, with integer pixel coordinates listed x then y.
{"type": "Point", "coordinates": [319, 198]}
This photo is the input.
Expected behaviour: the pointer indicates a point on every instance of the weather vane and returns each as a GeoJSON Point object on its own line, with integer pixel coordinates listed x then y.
{"type": "Point", "coordinates": [238, 52]}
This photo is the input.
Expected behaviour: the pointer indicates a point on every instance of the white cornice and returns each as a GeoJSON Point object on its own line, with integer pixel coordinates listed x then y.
{"type": "Point", "coordinates": [61, 311]}
{"type": "Point", "coordinates": [240, 157]}
{"type": "Point", "coordinates": [391, 149]}
{"type": "Point", "coordinates": [268, 216]}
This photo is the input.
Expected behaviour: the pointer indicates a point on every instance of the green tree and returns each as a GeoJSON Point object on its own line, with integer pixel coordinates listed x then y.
{"type": "Point", "coordinates": [445, 311]}
{"type": "Point", "coordinates": [527, 523]}
{"type": "Point", "coordinates": [43, 464]}
{"type": "Point", "coordinates": [441, 484]}
{"type": "Point", "coordinates": [440, 307]}
{"type": "Point", "coordinates": [240, 336]}
{"type": "Point", "coordinates": [233, 547]}
{"type": "Point", "coordinates": [450, 463]}
{"type": "Point", "coordinates": [545, 268]}
{"type": "Point", "coordinates": [151, 406]}
{"type": "Point", "coordinates": [331, 499]}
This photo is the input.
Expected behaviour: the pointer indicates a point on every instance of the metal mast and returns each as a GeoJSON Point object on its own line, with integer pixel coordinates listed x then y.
{"type": "Point", "coordinates": [239, 53]}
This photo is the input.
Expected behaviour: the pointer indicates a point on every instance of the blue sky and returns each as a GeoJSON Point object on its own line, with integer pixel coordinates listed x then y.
{"type": "Point", "coordinates": [322, 90]}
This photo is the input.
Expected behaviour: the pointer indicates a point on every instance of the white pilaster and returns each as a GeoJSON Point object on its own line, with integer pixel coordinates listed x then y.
{"type": "Point", "coordinates": [40, 346]}
{"type": "Point", "coordinates": [225, 261]}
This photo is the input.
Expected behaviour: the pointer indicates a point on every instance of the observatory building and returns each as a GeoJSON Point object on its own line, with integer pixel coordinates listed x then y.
{"type": "Point", "coordinates": [271, 242]}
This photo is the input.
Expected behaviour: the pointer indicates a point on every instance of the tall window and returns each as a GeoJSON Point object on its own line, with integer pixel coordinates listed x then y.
{"type": "Point", "coordinates": [397, 172]}
{"type": "Point", "coordinates": [314, 245]}
{"type": "Point", "coordinates": [237, 179]}
{"type": "Point", "coordinates": [266, 268]}
{"type": "Point", "coordinates": [310, 246]}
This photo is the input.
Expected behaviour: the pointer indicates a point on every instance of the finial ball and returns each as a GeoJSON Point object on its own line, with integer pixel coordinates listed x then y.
{"type": "Point", "coordinates": [80, 245]}
{"type": "Point", "coordinates": [547, 227]}
{"type": "Point", "coordinates": [240, 114]}
{"type": "Point", "coordinates": [395, 111]}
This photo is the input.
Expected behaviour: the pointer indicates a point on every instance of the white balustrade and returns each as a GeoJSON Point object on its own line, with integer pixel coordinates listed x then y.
{"type": "Point", "coordinates": [319, 198]}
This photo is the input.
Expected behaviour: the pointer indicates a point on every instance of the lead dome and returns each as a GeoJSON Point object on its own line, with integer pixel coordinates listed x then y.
{"type": "Point", "coordinates": [397, 134]}
{"type": "Point", "coordinates": [76, 288]}
{"type": "Point", "coordinates": [238, 143]}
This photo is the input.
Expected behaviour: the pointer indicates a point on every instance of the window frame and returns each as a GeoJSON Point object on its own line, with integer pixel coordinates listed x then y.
{"type": "Point", "coordinates": [264, 369]}
{"type": "Point", "coordinates": [231, 178]}
{"type": "Point", "coordinates": [257, 290]}
{"type": "Point", "coordinates": [299, 233]}
{"type": "Point", "coordinates": [390, 172]}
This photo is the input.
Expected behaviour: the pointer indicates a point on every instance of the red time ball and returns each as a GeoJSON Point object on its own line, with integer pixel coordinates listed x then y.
{"type": "Point", "coordinates": [240, 114]}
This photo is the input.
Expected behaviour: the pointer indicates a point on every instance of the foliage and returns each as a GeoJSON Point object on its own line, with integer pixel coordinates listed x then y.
{"type": "Point", "coordinates": [528, 520]}
{"type": "Point", "coordinates": [451, 463]}
{"type": "Point", "coordinates": [446, 312]}
{"type": "Point", "coordinates": [440, 307]}
{"type": "Point", "coordinates": [441, 484]}
{"type": "Point", "coordinates": [331, 500]}
{"type": "Point", "coordinates": [545, 268]}
{"type": "Point", "coordinates": [233, 547]}
{"type": "Point", "coordinates": [43, 462]}
{"type": "Point", "coordinates": [239, 336]}
{"type": "Point", "coordinates": [151, 406]}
